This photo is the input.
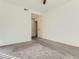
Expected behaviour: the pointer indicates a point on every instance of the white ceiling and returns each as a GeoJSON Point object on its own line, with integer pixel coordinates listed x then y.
{"type": "Point", "coordinates": [37, 4]}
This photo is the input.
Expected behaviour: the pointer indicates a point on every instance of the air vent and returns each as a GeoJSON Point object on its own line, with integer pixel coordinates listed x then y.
{"type": "Point", "coordinates": [26, 9]}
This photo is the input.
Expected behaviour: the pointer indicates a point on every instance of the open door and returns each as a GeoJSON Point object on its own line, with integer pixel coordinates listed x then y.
{"type": "Point", "coordinates": [35, 19]}
{"type": "Point", "coordinates": [34, 26]}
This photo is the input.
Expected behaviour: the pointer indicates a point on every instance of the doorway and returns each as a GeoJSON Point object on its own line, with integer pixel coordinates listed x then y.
{"type": "Point", "coordinates": [35, 19]}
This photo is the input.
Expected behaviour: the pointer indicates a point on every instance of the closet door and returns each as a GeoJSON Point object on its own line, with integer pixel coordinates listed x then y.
{"type": "Point", "coordinates": [15, 24]}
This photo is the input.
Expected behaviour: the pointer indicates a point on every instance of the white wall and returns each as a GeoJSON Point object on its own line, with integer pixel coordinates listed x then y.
{"type": "Point", "coordinates": [15, 24]}
{"type": "Point", "coordinates": [40, 25]}
{"type": "Point", "coordinates": [62, 24]}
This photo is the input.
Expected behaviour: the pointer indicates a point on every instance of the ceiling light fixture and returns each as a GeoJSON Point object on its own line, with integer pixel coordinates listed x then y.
{"type": "Point", "coordinates": [44, 2]}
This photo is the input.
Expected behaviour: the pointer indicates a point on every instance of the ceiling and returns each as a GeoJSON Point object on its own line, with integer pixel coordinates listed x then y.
{"type": "Point", "coordinates": [37, 5]}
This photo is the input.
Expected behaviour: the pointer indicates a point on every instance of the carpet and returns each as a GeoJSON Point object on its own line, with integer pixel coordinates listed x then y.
{"type": "Point", "coordinates": [38, 51]}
